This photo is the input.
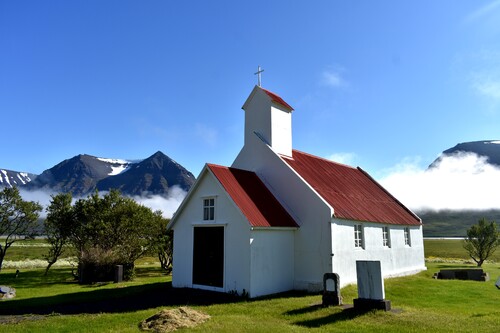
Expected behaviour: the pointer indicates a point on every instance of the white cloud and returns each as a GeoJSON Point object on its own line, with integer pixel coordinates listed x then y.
{"type": "Point", "coordinates": [207, 134]}
{"type": "Point", "coordinates": [344, 158]}
{"type": "Point", "coordinates": [481, 71]}
{"type": "Point", "coordinates": [458, 182]}
{"type": "Point", "coordinates": [167, 204]}
{"type": "Point", "coordinates": [486, 85]}
{"type": "Point", "coordinates": [333, 78]}
{"type": "Point", "coordinates": [42, 197]}
{"type": "Point", "coordinates": [483, 11]}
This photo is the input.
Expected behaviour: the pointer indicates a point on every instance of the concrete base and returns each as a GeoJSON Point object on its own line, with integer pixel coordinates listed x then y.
{"type": "Point", "coordinates": [365, 304]}
{"type": "Point", "coordinates": [331, 298]}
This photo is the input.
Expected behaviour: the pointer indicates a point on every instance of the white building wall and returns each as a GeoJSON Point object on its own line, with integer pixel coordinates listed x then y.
{"type": "Point", "coordinates": [281, 131]}
{"type": "Point", "coordinates": [272, 263]}
{"type": "Point", "coordinates": [396, 260]}
{"type": "Point", "coordinates": [312, 240]}
{"type": "Point", "coordinates": [236, 237]}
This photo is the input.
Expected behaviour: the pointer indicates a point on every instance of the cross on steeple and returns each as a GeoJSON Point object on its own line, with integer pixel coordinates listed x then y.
{"type": "Point", "coordinates": [259, 70]}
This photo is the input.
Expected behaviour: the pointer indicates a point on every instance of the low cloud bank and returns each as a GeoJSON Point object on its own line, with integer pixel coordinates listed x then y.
{"type": "Point", "coordinates": [167, 204]}
{"type": "Point", "coordinates": [458, 182]}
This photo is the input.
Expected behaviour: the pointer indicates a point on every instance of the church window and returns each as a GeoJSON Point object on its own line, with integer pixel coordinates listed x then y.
{"type": "Point", "coordinates": [358, 236]}
{"type": "Point", "coordinates": [386, 237]}
{"type": "Point", "coordinates": [209, 209]}
{"type": "Point", "coordinates": [407, 236]}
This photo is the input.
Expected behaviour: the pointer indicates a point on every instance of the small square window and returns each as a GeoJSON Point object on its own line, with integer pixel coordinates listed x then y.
{"type": "Point", "coordinates": [407, 236]}
{"type": "Point", "coordinates": [358, 236]}
{"type": "Point", "coordinates": [209, 209]}
{"type": "Point", "coordinates": [386, 237]}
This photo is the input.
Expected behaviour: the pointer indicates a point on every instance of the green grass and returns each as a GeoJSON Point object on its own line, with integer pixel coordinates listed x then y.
{"type": "Point", "coordinates": [23, 249]}
{"type": "Point", "coordinates": [450, 248]}
{"type": "Point", "coordinates": [420, 303]}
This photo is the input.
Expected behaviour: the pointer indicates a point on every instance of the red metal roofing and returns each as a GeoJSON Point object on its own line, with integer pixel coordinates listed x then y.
{"type": "Point", "coordinates": [277, 99]}
{"type": "Point", "coordinates": [352, 193]}
{"type": "Point", "coordinates": [252, 197]}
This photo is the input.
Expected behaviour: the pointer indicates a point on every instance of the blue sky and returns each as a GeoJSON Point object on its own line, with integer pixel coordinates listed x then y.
{"type": "Point", "coordinates": [373, 83]}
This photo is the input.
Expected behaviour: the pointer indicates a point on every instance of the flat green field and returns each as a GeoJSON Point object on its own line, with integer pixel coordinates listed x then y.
{"type": "Point", "coordinates": [450, 248]}
{"type": "Point", "coordinates": [56, 303]}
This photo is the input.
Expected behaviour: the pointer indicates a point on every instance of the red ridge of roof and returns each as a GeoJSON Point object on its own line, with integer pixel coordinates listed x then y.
{"type": "Point", "coordinates": [252, 197]}
{"type": "Point", "coordinates": [277, 99]}
{"type": "Point", "coordinates": [353, 194]}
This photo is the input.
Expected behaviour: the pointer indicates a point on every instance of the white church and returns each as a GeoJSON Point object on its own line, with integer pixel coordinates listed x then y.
{"type": "Point", "coordinates": [278, 219]}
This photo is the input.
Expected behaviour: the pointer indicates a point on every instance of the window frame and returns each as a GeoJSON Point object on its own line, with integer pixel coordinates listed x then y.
{"type": "Point", "coordinates": [208, 213]}
{"type": "Point", "coordinates": [407, 236]}
{"type": "Point", "coordinates": [386, 237]}
{"type": "Point", "coordinates": [359, 241]}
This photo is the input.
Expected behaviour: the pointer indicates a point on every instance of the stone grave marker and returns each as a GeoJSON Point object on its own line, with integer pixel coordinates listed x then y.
{"type": "Point", "coordinates": [371, 293]}
{"type": "Point", "coordinates": [498, 283]}
{"type": "Point", "coordinates": [331, 289]}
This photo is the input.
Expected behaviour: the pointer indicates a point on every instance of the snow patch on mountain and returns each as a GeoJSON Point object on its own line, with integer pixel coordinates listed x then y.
{"type": "Point", "coordinates": [10, 178]}
{"type": "Point", "coordinates": [118, 166]}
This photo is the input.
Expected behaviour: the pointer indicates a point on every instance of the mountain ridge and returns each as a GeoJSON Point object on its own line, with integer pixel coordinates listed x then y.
{"type": "Point", "coordinates": [490, 149]}
{"type": "Point", "coordinates": [83, 174]}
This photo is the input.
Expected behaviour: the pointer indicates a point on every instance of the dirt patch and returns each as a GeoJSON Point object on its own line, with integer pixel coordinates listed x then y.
{"type": "Point", "coordinates": [170, 320]}
{"type": "Point", "coordinates": [19, 318]}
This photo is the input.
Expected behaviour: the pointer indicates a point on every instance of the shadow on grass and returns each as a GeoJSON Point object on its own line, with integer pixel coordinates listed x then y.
{"type": "Point", "coordinates": [340, 314]}
{"type": "Point", "coordinates": [123, 298]}
{"type": "Point", "coordinates": [36, 278]}
{"type": "Point", "coordinates": [126, 299]}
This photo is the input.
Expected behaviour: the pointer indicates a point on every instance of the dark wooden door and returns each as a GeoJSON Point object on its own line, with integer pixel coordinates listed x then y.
{"type": "Point", "coordinates": [208, 256]}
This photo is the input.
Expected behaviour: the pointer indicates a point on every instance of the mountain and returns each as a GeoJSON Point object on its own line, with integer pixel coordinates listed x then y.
{"type": "Point", "coordinates": [153, 175]}
{"type": "Point", "coordinates": [78, 175]}
{"type": "Point", "coordinates": [488, 148]}
{"type": "Point", "coordinates": [454, 223]}
{"type": "Point", "coordinates": [15, 178]}
{"type": "Point", "coordinates": [83, 174]}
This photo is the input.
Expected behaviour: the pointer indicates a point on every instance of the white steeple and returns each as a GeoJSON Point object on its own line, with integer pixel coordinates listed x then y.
{"type": "Point", "coordinates": [270, 117]}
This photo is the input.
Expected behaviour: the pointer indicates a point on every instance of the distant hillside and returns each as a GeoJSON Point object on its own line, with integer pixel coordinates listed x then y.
{"type": "Point", "coordinates": [83, 174]}
{"type": "Point", "coordinates": [454, 223]}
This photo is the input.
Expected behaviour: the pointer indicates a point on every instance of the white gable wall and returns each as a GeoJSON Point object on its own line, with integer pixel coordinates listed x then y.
{"type": "Point", "coordinates": [396, 260]}
{"type": "Point", "coordinates": [236, 237]}
{"type": "Point", "coordinates": [312, 240]}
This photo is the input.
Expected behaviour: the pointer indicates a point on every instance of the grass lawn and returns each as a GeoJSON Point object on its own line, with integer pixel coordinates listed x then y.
{"type": "Point", "coordinates": [421, 304]}
{"type": "Point", "coordinates": [451, 248]}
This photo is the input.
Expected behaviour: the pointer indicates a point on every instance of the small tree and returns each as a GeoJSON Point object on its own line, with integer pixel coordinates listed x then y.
{"type": "Point", "coordinates": [162, 243]}
{"type": "Point", "coordinates": [482, 240]}
{"type": "Point", "coordinates": [111, 230]}
{"type": "Point", "coordinates": [58, 226]}
{"type": "Point", "coordinates": [18, 218]}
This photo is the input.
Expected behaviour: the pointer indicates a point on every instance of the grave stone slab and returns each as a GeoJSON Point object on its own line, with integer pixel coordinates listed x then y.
{"type": "Point", "coordinates": [331, 289]}
{"type": "Point", "coordinates": [118, 273]}
{"type": "Point", "coordinates": [370, 281]}
{"type": "Point", "coordinates": [498, 283]}
{"type": "Point", "coordinates": [371, 293]}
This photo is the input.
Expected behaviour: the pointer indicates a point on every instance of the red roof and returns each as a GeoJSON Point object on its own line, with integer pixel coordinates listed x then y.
{"type": "Point", "coordinates": [252, 197]}
{"type": "Point", "coordinates": [352, 193]}
{"type": "Point", "coordinates": [277, 99]}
